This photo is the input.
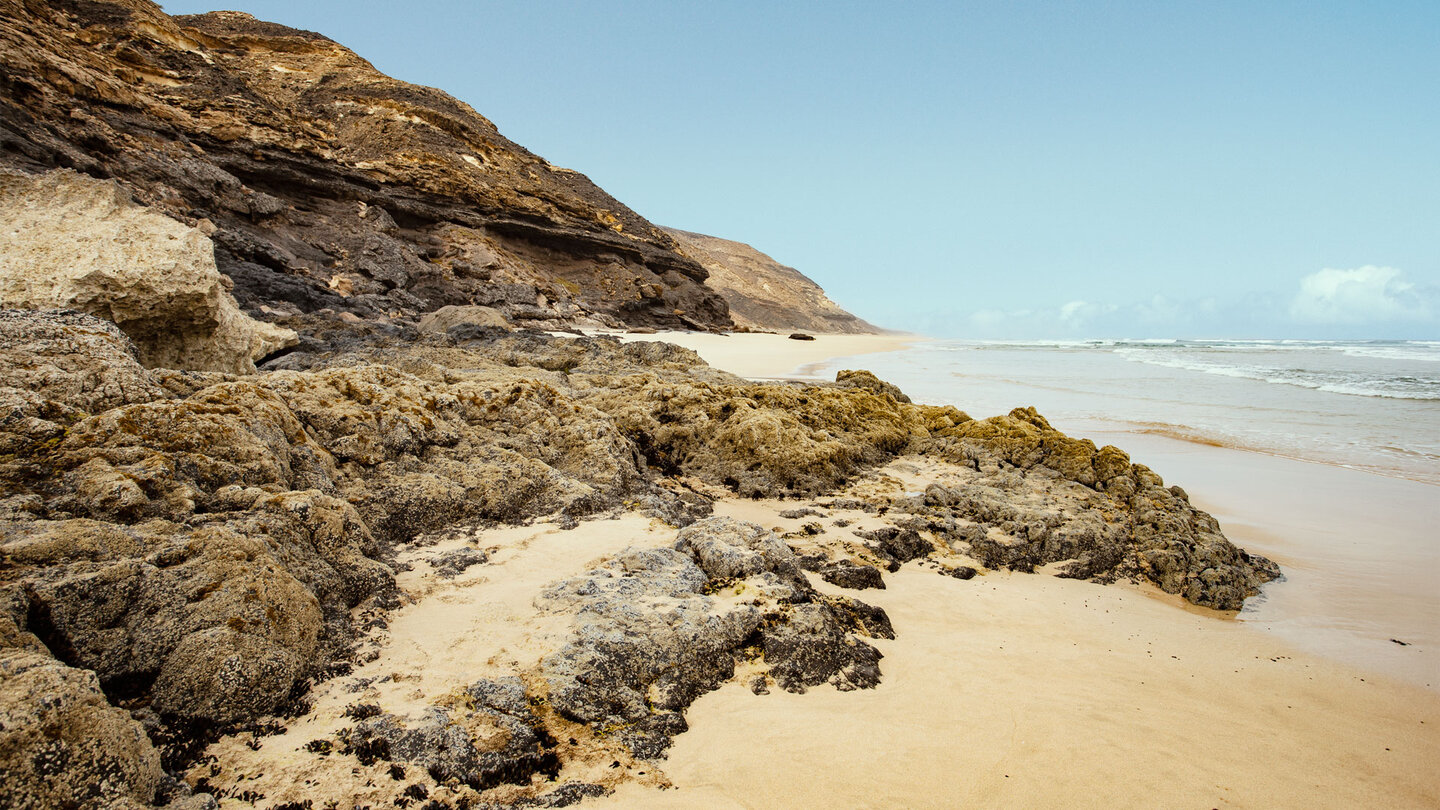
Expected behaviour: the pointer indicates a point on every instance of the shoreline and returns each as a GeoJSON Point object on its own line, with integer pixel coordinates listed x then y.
{"type": "Point", "coordinates": [767, 357]}
{"type": "Point", "coordinates": [1025, 690]}
{"type": "Point", "coordinates": [1254, 680]}
{"type": "Point", "coordinates": [1360, 576]}
{"type": "Point", "coordinates": [1345, 599]}
{"type": "Point", "coordinates": [1006, 690]}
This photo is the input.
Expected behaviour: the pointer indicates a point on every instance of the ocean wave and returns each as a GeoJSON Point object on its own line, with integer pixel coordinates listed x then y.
{"type": "Point", "coordinates": [1331, 381]}
{"type": "Point", "coordinates": [1423, 354]}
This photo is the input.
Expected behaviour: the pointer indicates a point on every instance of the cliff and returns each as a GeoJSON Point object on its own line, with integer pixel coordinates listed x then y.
{"type": "Point", "coordinates": [324, 183]}
{"type": "Point", "coordinates": [763, 294]}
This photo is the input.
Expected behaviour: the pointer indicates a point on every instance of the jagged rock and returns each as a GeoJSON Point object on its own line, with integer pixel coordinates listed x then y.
{"type": "Point", "coordinates": [758, 440]}
{"type": "Point", "coordinates": [849, 574]}
{"type": "Point", "coordinates": [489, 736]}
{"type": "Point", "coordinates": [211, 622]}
{"type": "Point", "coordinates": [726, 548]}
{"type": "Point", "coordinates": [633, 669]}
{"type": "Point", "coordinates": [897, 546]}
{"type": "Point", "coordinates": [455, 563]}
{"type": "Point", "coordinates": [72, 362]}
{"type": "Point", "coordinates": [813, 643]}
{"type": "Point", "coordinates": [849, 378]}
{"type": "Point", "coordinates": [650, 637]}
{"type": "Point", "coordinates": [63, 745]}
{"type": "Point", "coordinates": [73, 242]}
{"type": "Point", "coordinates": [447, 318]}
{"type": "Point", "coordinates": [416, 456]}
{"type": "Point", "coordinates": [198, 540]}
{"type": "Point", "coordinates": [1131, 524]}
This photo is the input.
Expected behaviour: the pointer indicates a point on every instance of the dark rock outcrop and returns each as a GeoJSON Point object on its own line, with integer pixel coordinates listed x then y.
{"type": "Point", "coordinates": [657, 628]}
{"type": "Point", "coordinates": [489, 737]}
{"type": "Point", "coordinates": [1042, 497]}
{"type": "Point", "coordinates": [324, 183]}
{"type": "Point", "coordinates": [850, 574]}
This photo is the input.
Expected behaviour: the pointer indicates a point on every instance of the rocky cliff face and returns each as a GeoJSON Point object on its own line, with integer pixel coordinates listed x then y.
{"type": "Point", "coordinates": [764, 294]}
{"type": "Point", "coordinates": [325, 184]}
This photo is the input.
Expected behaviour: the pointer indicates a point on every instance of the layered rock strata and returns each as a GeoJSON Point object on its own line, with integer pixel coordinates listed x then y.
{"type": "Point", "coordinates": [325, 184]}
{"type": "Point", "coordinates": [765, 295]}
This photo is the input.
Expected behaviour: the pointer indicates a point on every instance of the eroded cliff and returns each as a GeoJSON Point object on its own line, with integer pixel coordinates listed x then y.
{"type": "Point", "coordinates": [325, 184]}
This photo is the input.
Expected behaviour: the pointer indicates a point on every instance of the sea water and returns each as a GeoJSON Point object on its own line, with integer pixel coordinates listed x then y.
{"type": "Point", "coordinates": [1322, 455]}
{"type": "Point", "coordinates": [1370, 405]}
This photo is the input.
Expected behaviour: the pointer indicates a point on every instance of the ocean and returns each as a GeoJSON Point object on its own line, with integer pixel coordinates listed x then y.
{"type": "Point", "coordinates": [1324, 456]}
{"type": "Point", "coordinates": [1367, 405]}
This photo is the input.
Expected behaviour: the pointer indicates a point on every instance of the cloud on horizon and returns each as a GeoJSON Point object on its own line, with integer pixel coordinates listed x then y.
{"type": "Point", "coordinates": [1363, 295]}
{"type": "Point", "coordinates": [1359, 303]}
{"type": "Point", "coordinates": [1157, 317]}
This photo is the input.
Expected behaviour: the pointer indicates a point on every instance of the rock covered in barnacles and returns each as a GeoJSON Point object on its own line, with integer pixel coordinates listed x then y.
{"type": "Point", "coordinates": [657, 628]}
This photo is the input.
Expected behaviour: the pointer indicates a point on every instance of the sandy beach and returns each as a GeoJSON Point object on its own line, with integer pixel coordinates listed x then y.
{"type": "Point", "coordinates": [1016, 690]}
{"type": "Point", "coordinates": [1005, 690]}
{"type": "Point", "coordinates": [758, 356]}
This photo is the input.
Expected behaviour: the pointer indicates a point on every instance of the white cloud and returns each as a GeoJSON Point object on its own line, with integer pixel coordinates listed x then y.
{"type": "Point", "coordinates": [1363, 295]}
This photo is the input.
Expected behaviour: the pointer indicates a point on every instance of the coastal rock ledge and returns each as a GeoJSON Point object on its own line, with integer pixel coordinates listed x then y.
{"type": "Point", "coordinates": [187, 553]}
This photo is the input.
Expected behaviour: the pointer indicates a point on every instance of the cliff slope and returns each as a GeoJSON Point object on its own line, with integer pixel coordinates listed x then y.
{"type": "Point", "coordinates": [327, 184]}
{"type": "Point", "coordinates": [764, 294]}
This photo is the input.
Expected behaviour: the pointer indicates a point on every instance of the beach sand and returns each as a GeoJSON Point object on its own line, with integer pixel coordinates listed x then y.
{"type": "Point", "coordinates": [1358, 549]}
{"type": "Point", "coordinates": [1006, 690]}
{"type": "Point", "coordinates": [1016, 690]}
{"type": "Point", "coordinates": [758, 356]}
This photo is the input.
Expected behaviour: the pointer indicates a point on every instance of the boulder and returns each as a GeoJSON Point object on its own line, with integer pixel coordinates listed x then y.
{"type": "Point", "coordinates": [726, 548]}
{"type": "Point", "coordinates": [446, 318]}
{"type": "Point", "coordinates": [860, 378]}
{"type": "Point", "coordinates": [63, 745]}
{"type": "Point", "coordinates": [1037, 496]}
{"type": "Point", "coordinates": [853, 575]}
{"type": "Point", "coordinates": [74, 242]}
{"type": "Point", "coordinates": [488, 736]}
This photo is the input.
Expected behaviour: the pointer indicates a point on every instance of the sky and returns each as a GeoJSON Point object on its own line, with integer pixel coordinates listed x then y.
{"type": "Point", "coordinates": [987, 170]}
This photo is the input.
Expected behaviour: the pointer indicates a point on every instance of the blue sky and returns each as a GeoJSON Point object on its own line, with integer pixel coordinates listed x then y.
{"type": "Point", "coordinates": [987, 170]}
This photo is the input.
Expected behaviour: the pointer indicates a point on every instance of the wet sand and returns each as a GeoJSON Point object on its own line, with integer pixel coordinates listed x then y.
{"type": "Point", "coordinates": [1359, 550]}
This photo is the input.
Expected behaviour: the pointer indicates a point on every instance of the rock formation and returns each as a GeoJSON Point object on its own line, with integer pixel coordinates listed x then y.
{"type": "Point", "coordinates": [637, 670]}
{"type": "Point", "coordinates": [763, 294]}
{"type": "Point", "coordinates": [197, 546]}
{"type": "Point", "coordinates": [328, 185]}
{"type": "Point", "coordinates": [73, 242]}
